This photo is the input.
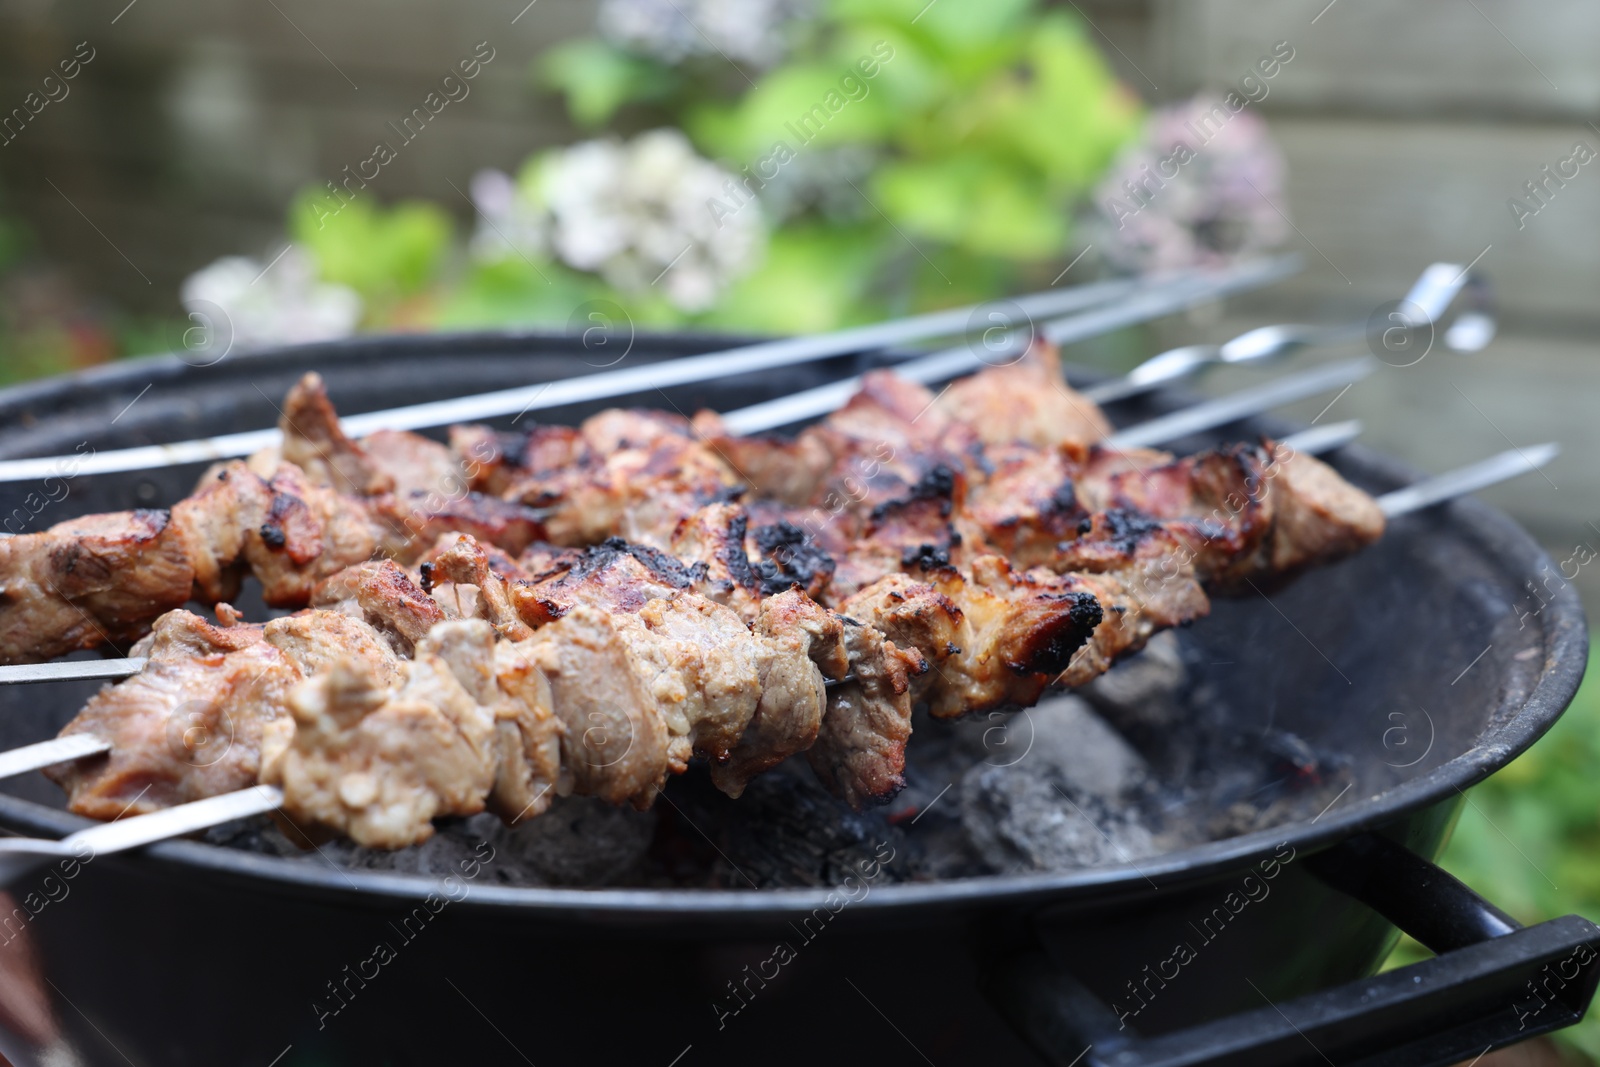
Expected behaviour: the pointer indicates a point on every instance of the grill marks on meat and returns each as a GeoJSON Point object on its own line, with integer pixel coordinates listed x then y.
{"type": "Point", "coordinates": [994, 639]}
{"type": "Point", "coordinates": [90, 581]}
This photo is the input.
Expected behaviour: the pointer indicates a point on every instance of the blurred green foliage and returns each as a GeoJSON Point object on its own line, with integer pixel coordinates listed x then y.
{"type": "Point", "coordinates": [1529, 837]}
{"type": "Point", "coordinates": [387, 255]}
{"type": "Point", "coordinates": [985, 129]}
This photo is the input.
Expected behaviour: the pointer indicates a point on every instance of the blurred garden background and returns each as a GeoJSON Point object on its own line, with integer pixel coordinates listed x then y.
{"type": "Point", "coordinates": [286, 171]}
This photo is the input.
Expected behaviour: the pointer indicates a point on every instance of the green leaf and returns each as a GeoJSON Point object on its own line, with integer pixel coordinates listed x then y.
{"type": "Point", "coordinates": [1058, 108]}
{"type": "Point", "coordinates": [597, 79]}
{"type": "Point", "coordinates": [813, 278]}
{"type": "Point", "coordinates": [805, 106]}
{"type": "Point", "coordinates": [955, 26]}
{"type": "Point", "coordinates": [978, 205]}
{"type": "Point", "coordinates": [383, 254]}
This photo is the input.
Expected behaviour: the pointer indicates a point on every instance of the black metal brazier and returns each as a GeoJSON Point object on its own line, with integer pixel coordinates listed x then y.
{"type": "Point", "coordinates": [192, 954]}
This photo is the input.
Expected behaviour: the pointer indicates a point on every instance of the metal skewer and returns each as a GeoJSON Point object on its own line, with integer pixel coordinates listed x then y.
{"type": "Point", "coordinates": [1430, 491]}
{"type": "Point", "coordinates": [744, 359]}
{"type": "Point", "coordinates": [1430, 297]}
{"type": "Point", "coordinates": [18, 855]}
{"type": "Point", "coordinates": [960, 359]}
{"type": "Point", "coordinates": [1246, 402]}
{"type": "Point", "coordinates": [75, 671]}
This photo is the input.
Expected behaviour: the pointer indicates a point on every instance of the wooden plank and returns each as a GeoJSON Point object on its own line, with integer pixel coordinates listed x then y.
{"type": "Point", "coordinates": [1421, 57]}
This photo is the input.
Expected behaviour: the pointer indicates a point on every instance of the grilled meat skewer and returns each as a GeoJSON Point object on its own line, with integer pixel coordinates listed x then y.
{"type": "Point", "coordinates": [628, 685]}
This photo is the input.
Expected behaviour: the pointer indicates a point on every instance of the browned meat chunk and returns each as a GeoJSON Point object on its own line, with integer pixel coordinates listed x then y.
{"type": "Point", "coordinates": [189, 726]}
{"type": "Point", "coordinates": [800, 644]}
{"type": "Point", "coordinates": [379, 764]}
{"type": "Point", "coordinates": [315, 640]}
{"type": "Point", "coordinates": [860, 751]}
{"type": "Point", "coordinates": [1320, 516]}
{"type": "Point", "coordinates": [88, 582]}
{"type": "Point", "coordinates": [383, 596]}
{"type": "Point", "coordinates": [1026, 401]}
{"type": "Point", "coordinates": [314, 441]}
{"type": "Point", "coordinates": [996, 638]}
{"type": "Point", "coordinates": [614, 743]}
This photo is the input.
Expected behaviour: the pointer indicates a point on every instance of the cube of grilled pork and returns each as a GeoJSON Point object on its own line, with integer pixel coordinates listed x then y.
{"type": "Point", "coordinates": [90, 581]}
{"type": "Point", "coordinates": [388, 462]}
{"type": "Point", "coordinates": [1027, 401]}
{"type": "Point", "coordinates": [745, 563]}
{"type": "Point", "coordinates": [998, 637]}
{"type": "Point", "coordinates": [379, 763]}
{"type": "Point", "coordinates": [745, 697]}
{"type": "Point", "coordinates": [384, 596]}
{"type": "Point", "coordinates": [192, 724]}
{"type": "Point", "coordinates": [1240, 514]}
{"type": "Point", "coordinates": [630, 473]}
{"type": "Point", "coordinates": [860, 751]}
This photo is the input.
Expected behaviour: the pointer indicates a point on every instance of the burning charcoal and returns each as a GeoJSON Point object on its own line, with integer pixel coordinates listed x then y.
{"type": "Point", "coordinates": [1065, 794]}
{"type": "Point", "coordinates": [786, 830]}
{"type": "Point", "coordinates": [580, 841]}
{"type": "Point", "coordinates": [1140, 695]}
{"type": "Point", "coordinates": [1026, 822]}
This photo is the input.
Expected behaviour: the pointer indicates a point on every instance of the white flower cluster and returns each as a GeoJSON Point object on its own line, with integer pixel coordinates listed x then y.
{"type": "Point", "coordinates": [637, 213]}
{"type": "Point", "coordinates": [746, 31]}
{"type": "Point", "coordinates": [1202, 185]}
{"type": "Point", "coordinates": [241, 301]}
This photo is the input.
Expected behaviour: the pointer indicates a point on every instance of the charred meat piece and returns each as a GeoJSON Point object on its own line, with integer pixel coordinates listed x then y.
{"type": "Point", "coordinates": [383, 596]}
{"type": "Point", "coordinates": [744, 564]}
{"type": "Point", "coordinates": [89, 582]}
{"type": "Point", "coordinates": [1239, 514]}
{"type": "Point", "coordinates": [995, 638]}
